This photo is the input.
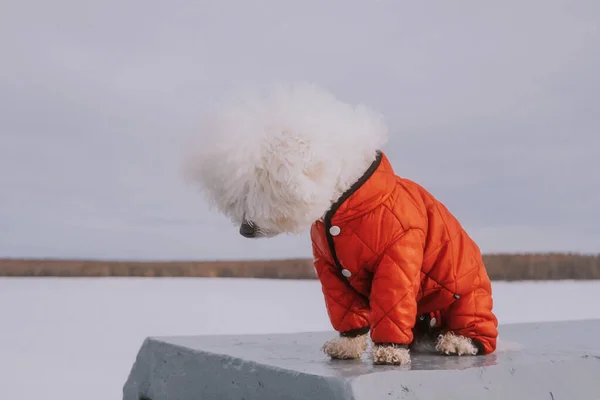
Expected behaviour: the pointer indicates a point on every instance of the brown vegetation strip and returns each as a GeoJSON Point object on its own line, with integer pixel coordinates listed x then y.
{"type": "Point", "coordinates": [510, 267]}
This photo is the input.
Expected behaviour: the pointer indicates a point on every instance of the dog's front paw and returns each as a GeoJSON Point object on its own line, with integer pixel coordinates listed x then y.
{"type": "Point", "coordinates": [390, 354]}
{"type": "Point", "coordinates": [346, 348]}
{"type": "Point", "coordinates": [451, 344]}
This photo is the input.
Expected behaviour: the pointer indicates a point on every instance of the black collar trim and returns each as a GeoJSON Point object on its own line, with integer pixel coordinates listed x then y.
{"type": "Point", "coordinates": [369, 172]}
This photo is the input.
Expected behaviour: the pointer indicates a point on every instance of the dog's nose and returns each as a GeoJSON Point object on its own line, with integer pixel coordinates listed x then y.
{"type": "Point", "coordinates": [247, 230]}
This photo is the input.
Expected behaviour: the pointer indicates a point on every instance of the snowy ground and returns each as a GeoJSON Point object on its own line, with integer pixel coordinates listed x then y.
{"type": "Point", "coordinates": [72, 339]}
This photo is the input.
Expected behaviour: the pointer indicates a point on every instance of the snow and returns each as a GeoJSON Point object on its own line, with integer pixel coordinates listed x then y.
{"type": "Point", "coordinates": [76, 338]}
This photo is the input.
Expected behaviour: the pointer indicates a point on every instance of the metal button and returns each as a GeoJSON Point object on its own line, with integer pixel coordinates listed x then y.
{"type": "Point", "coordinates": [346, 273]}
{"type": "Point", "coordinates": [335, 230]}
{"type": "Point", "coordinates": [432, 322]}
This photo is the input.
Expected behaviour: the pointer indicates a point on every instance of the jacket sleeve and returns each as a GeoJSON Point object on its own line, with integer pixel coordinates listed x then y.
{"type": "Point", "coordinates": [347, 309]}
{"type": "Point", "coordinates": [394, 289]}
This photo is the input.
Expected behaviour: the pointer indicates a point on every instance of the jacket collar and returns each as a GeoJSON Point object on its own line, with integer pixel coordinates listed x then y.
{"type": "Point", "coordinates": [366, 194]}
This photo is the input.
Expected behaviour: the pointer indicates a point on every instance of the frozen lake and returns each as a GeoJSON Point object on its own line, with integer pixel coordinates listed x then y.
{"type": "Point", "coordinates": [63, 338]}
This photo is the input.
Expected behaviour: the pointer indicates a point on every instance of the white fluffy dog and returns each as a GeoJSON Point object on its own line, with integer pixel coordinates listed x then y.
{"type": "Point", "coordinates": [276, 162]}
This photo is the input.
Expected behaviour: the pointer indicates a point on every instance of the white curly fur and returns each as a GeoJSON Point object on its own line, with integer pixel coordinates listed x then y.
{"type": "Point", "coordinates": [451, 344]}
{"type": "Point", "coordinates": [345, 348]}
{"type": "Point", "coordinates": [388, 355]}
{"type": "Point", "coordinates": [280, 158]}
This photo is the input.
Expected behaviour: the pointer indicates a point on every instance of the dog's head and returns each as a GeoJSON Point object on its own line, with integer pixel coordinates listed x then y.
{"type": "Point", "coordinates": [273, 164]}
{"type": "Point", "coordinates": [267, 189]}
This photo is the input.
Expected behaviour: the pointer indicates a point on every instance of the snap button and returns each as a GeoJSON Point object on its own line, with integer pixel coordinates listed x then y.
{"type": "Point", "coordinates": [335, 230]}
{"type": "Point", "coordinates": [432, 322]}
{"type": "Point", "coordinates": [346, 273]}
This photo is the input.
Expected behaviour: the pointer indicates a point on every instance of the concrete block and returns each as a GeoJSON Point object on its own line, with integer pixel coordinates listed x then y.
{"type": "Point", "coordinates": [546, 361]}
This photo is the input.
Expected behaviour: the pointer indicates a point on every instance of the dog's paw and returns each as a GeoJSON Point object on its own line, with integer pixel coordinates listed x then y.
{"type": "Point", "coordinates": [390, 355]}
{"type": "Point", "coordinates": [451, 344]}
{"type": "Point", "coordinates": [346, 348]}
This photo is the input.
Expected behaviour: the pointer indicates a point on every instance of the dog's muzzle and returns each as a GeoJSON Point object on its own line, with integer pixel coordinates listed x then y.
{"type": "Point", "coordinates": [248, 229]}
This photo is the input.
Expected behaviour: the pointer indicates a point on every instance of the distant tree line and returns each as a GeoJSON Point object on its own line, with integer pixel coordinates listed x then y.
{"type": "Point", "coordinates": [506, 267]}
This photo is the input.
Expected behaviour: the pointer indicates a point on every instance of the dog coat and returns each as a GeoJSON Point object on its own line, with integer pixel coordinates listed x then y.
{"type": "Point", "coordinates": [388, 252]}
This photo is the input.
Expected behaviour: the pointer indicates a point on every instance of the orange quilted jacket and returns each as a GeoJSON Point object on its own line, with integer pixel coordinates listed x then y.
{"type": "Point", "coordinates": [388, 252]}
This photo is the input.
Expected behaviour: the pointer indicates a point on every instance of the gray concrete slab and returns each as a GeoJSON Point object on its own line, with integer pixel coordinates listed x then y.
{"type": "Point", "coordinates": [546, 361]}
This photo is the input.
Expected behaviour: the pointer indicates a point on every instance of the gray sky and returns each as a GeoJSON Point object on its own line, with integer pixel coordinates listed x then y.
{"type": "Point", "coordinates": [493, 107]}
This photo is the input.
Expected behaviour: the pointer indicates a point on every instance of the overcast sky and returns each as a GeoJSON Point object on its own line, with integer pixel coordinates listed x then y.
{"type": "Point", "coordinates": [493, 106]}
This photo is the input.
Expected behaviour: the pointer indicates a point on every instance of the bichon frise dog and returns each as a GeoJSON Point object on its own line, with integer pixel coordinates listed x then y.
{"type": "Point", "coordinates": [392, 260]}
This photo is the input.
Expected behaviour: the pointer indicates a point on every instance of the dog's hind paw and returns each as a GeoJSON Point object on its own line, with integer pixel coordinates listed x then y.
{"type": "Point", "coordinates": [345, 348]}
{"type": "Point", "coordinates": [390, 355]}
{"type": "Point", "coordinates": [451, 344]}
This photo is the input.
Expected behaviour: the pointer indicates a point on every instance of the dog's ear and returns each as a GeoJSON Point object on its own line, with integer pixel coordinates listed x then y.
{"type": "Point", "coordinates": [292, 157]}
{"type": "Point", "coordinates": [284, 170]}
{"type": "Point", "coordinates": [314, 171]}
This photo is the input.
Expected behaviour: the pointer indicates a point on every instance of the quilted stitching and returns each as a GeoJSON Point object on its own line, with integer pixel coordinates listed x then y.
{"type": "Point", "coordinates": [401, 244]}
